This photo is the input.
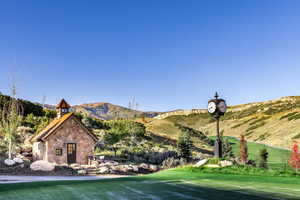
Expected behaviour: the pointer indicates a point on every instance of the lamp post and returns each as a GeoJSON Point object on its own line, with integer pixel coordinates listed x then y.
{"type": "Point", "coordinates": [217, 108]}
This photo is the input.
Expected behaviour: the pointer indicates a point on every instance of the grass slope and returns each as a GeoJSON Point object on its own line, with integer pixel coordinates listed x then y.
{"type": "Point", "coordinates": [171, 184]}
{"type": "Point", "coordinates": [274, 122]}
{"type": "Point", "coordinates": [277, 157]}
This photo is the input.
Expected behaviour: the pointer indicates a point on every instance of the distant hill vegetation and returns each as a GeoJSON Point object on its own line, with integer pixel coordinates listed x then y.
{"type": "Point", "coordinates": [107, 111]}
{"type": "Point", "coordinates": [275, 122]}
{"type": "Point", "coordinates": [27, 106]}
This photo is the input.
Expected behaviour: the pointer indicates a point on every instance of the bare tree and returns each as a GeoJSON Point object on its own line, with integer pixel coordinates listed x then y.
{"type": "Point", "coordinates": [11, 118]}
{"type": "Point", "coordinates": [44, 100]}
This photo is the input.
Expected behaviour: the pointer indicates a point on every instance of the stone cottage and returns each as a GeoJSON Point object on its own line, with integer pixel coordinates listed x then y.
{"type": "Point", "coordinates": [65, 140]}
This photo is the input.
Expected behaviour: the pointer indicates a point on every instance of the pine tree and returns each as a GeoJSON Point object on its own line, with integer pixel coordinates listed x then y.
{"type": "Point", "coordinates": [295, 157]}
{"type": "Point", "coordinates": [263, 161]}
{"type": "Point", "coordinates": [227, 149]}
{"type": "Point", "coordinates": [184, 146]}
{"type": "Point", "coordinates": [243, 150]}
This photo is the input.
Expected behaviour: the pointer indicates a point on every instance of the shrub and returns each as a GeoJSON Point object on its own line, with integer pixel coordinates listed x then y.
{"type": "Point", "coordinates": [213, 161]}
{"type": "Point", "coordinates": [297, 136]}
{"type": "Point", "coordinates": [172, 162]}
{"type": "Point", "coordinates": [263, 158]}
{"type": "Point", "coordinates": [294, 117]}
{"type": "Point", "coordinates": [288, 115]}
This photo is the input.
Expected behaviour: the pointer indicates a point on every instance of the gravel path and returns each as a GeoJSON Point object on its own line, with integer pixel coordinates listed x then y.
{"type": "Point", "coordinates": [19, 179]}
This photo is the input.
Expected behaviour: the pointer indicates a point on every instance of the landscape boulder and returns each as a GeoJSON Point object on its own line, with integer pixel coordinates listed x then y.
{"type": "Point", "coordinates": [9, 162]}
{"type": "Point", "coordinates": [153, 168]}
{"type": "Point", "coordinates": [18, 160]}
{"type": "Point", "coordinates": [135, 168]}
{"type": "Point", "coordinates": [42, 165]}
{"type": "Point", "coordinates": [212, 166]}
{"type": "Point", "coordinates": [94, 163]}
{"type": "Point", "coordinates": [104, 170]}
{"type": "Point", "coordinates": [125, 168]}
{"type": "Point", "coordinates": [144, 166]}
{"type": "Point", "coordinates": [82, 172]}
{"type": "Point", "coordinates": [225, 163]}
{"type": "Point", "coordinates": [201, 163]}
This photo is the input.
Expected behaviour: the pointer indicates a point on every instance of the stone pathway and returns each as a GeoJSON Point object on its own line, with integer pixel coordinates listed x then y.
{"type": "Point", "coordinates": [19, 179]}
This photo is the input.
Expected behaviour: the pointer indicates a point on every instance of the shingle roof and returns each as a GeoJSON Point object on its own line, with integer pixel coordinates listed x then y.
{"type": "Point", "coordinates": [54, 125]}
{"type": "Point", "coordinates": [63, 104]}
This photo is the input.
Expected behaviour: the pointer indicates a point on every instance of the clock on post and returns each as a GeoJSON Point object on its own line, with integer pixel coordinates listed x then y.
{"type": "Point", "coordinates": [217, 108]}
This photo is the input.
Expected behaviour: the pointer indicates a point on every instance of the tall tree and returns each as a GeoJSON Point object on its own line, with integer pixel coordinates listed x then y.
{"type": "Point", "coordinates": [184, 146]}
{"type": "Point", "coordinates": [11, 118]}
{"type": "Point", "coordinates": [243, 150]}
{"type": "Point", "coordinates": [295, 157]}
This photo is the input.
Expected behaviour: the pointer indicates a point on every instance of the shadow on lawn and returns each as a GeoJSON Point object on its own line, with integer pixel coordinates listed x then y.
{"type": "Point", "coordinates": [165, 189]}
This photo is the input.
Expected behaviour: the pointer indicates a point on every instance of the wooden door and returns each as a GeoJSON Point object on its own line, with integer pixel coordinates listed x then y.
{"type": "Point", "coordinates": [71, 153]}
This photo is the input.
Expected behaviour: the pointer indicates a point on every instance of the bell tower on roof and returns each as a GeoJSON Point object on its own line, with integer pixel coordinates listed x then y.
{"type": "Point", "coordinates": [62, 108]}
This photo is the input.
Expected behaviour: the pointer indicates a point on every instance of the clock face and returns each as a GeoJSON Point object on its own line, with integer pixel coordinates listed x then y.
{"type": "Point", "coordinates": [212, 107]}
{"type": "Point", "coordinates": [222, 106]}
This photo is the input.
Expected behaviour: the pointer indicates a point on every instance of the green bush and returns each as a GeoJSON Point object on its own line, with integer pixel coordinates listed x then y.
{"type": "Point", "coordinates": [288, 115]}
{"type": "Point", "coordinates": [243, 170]}
{"type": "Point", "coordinates": [213, 161]}
{"type": "Point", "coordinates": [294, 117]}
{"type": "Point", "coordinates": [297, 136]}
{"type": "Point", "coordinates": [263, 158]}
{"type": "Point", "coordinates": [256, 126]}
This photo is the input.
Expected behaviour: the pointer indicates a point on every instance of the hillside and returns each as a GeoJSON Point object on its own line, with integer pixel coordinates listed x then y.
{"type": "Point", "coordinates": [107, 111]}
{"type": "Point", "coordinates": [273, 122]}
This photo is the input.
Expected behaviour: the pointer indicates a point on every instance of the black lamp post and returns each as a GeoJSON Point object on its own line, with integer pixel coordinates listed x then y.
{"type": "Point", "coordinates": [217, 108]}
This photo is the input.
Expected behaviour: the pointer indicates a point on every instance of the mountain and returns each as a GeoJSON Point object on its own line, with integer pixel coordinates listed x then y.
{"type": "Point", "coordinates": [275, 122]}
{"type": "Point", "coordinates": [107, 111]}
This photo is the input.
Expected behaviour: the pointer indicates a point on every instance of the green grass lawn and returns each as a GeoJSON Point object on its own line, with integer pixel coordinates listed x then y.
{"type": "Point", "coordinates": [277, 157]}
{"type": "Point", "coordinates": [170, 184]}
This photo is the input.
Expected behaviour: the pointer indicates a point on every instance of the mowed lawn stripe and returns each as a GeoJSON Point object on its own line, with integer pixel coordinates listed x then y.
{"type": "Point", "coordinates": [170, 184]}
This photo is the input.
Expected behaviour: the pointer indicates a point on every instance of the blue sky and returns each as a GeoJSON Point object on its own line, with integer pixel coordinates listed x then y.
{"type": "Point", "coordinates": [167, 54]}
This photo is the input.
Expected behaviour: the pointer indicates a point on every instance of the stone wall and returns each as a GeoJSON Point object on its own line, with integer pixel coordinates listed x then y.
{"type": "Point", "coordinates": [70, 132]}
{"type": "Point", "coordinates": [38, 151]}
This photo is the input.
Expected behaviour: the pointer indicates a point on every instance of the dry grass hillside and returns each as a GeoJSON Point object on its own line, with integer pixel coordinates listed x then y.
{"type": "Point", "coordinates": [275, 122]}
{"type": "Point", "coordinates": [107, 111]}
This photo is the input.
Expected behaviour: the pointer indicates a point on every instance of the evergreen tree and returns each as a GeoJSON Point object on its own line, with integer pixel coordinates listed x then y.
{"type": "Point", "coordinates": [227, 149]}
{"type": "Point", "coordinates": [263, 161]}
{"type": "Point", "coordinates": [184, 146]}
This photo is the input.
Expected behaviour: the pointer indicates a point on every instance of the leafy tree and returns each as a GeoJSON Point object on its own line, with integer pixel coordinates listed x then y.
{"type": "Point", "coordinates": [295, 157]}
{"type": "Point", "coordinates": [11, 118]}
{"type": "Point", "coordinates": [50, 113]}
{"type": "Point", "coordinates": [123, 132]}
{"type": "Point", "coordinates": [184, 146]}
{"type": "Point", "coordinates": [93, 123]}
{"type": "Point", "coordinates": [27, 106]}
{"type": "Point", "coordinates": [263, 161]}
{"type": "Point", "coordinates": [243, 150]}
{"type": "Point", "coordinates": [112, 139]}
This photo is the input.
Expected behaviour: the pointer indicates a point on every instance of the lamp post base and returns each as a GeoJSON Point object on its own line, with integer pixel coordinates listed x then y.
{"type": "Point", "coordinates": [218, 148]}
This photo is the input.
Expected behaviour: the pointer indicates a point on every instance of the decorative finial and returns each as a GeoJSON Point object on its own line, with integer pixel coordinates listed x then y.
{"type": "Point", "coordinates": [216, 95]}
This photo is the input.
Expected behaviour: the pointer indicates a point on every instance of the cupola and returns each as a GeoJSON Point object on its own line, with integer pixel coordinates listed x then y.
{"type": "Point", "coordinates": [62, 108]}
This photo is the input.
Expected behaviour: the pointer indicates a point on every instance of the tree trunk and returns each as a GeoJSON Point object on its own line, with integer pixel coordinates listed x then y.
{"type": "Point", "coordinates": [9, 148]}
{"type": "Point", "coordinates": [115, 151]}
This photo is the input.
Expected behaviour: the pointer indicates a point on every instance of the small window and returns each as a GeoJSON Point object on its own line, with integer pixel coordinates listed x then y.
{"type": "Point", "coordinates": [58, 152]}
